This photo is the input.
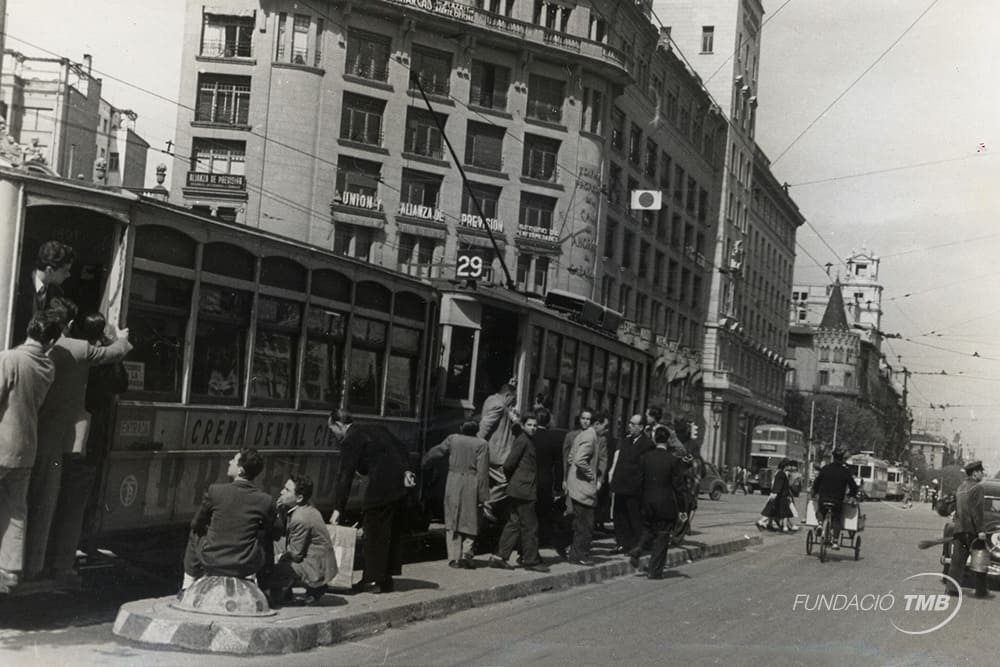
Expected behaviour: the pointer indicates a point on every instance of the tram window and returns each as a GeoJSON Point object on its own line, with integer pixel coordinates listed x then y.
{"type": "Point", "coordinates": [459, 369]}
{"type": "Point", "coordinates": [275, 353]}
{"type": "Point", "coordinates": [567, 372]}
{"type": "Point", "coordinates": [374, 296]}
{"type": "Point", "coordinates": [404, 357]}
{"type": "Point", "coordinates": [282, 272]}
{"type": "Point", "coordinates": [366, 364]}
{"type": "Point", "coordinates": [158, 313]}
{"type": "Point", "coordinates": [331, 285]}
{"type": "Point", "coordinates": [866, 471]}
{"type": "Point", "coordinates": [536, 352]}
{"type": "Point", "coordinates": [322, 375]}
{"type": "Point", "coordinates": [562, 403]}
{"type": "Point", "coordinates": [220, 345]}
{"type": "Point", "coordinates": [410, 306]}
{"type": "Point", "coordinates": [613, 373]}
{"type": "Point", "coordinates": [600, 362]}
{"type": "Point", "coordinates": [166, 245]}
{"type": "Point", "coordinates": [626, 389]}
{"type": "Point", "coordinates": [583, 365]}
{"type": "Point", "coordinates": [552, 355]}
{"type": "Point", "coordinates": [225, 259]}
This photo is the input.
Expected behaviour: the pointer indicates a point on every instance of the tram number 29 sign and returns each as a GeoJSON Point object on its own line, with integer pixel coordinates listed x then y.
{"type": "Point", "coordinates": [471, 264]}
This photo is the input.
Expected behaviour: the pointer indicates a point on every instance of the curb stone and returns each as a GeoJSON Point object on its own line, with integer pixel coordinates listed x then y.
{"type": "Point", "coordinates": [152, 622]}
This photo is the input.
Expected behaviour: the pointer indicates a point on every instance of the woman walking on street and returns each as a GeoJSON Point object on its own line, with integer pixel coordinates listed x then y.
{"type": "Point", "coordinates": [778, 507]}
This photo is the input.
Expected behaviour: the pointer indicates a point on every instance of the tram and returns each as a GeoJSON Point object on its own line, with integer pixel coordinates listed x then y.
{"type": "Point", "coordinates": [897, 478]}
{"type": "Point", "coordinates": [871, 474]}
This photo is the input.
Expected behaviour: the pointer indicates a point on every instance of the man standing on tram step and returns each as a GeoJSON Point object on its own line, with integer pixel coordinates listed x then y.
{"type": "Point", "coordinates": [232, 532]}
{"type": "Point", "coordinates": [626, 484]}
{"type": "Point", "coordinates": [37, 288]}
{"type": "Point", "coordinates": [364, 450]}
{"type": "Point", "coordinates": [466, 488]}
{"type": "Point", "coordinates": [496, 427]}
{"type": "Point", "coordinates": [26, 373]}
{"type": "Point", "coordinates": [583, 481]}
{"type": "Point", "coordinates": [661, 478]}
{"type": "Point", "coordinates": [970, 525]}
{"type": "Point", "coordinates": [522, 524]}
{"type": "Point", "coordinates": [53, 537]}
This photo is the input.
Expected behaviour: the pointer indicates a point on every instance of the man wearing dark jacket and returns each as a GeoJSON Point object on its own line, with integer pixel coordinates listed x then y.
{"type": "Point", "coordinates": [626, 478]}
{"type": "Point", "coordinates": [832, 482]}
{"type": "Point", "coordinates": [661, 479]}
{"type": "Point", "coordinates": [522, 524]}
{"type": "Point", "coordinates": [549, 460]}
{"type": "Point", "coordinates": [970, 524]}
{"type": "Point", "coordinates": [232, 529]}
{"type": "Point", "coordinates": [368, 452]}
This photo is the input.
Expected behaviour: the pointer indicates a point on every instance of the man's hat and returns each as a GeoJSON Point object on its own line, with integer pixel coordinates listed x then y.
{"type": "Point", "coordinates": [975, 466]}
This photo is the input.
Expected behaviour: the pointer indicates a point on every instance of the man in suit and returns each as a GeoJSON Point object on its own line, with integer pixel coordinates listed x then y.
{"type": "Point", "coordinates": [522, 524]}
{"type": "Point", "coordinates": [308, 558]}
{"type": "Point", "coordinates": [36, 289]}
{"type": "Point", "coordinates": [26, 373]}
{"type": "Point", "coordinates": [661, 480]}
{"type": "Point", "coordinates": [970, 525]}
{"type": "Point", "coordinates": [496, 427]}
{"type": "Point", "coordinates": [829, 487]}
{"type": "Point", "coordinates": [234, 525]}
{"type": "Point", "coordinates": [583, 481]}
{"type": "Point", "coordinates": [366, 451]}
{"type": "Point", "coordinates": [549, 461]}
{"type": "Point", "coordinates": [53, 537]}
{"type": "Point", "coordinates": [626, 484]}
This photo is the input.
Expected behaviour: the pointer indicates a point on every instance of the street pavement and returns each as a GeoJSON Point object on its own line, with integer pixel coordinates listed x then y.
{"type": "Point", "coordinates": [739, 609]}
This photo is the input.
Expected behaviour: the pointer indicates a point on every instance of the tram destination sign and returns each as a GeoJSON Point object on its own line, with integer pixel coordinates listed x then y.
{"type": "Point", "coordinates": [470, 263]}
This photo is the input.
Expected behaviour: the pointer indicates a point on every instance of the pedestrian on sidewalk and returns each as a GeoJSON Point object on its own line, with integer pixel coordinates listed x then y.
{"type": "Point", "coordinates": [496, 426]}
{"type": "Point", "coordinates": [307, 558]}
{"type": "Point", "coordinates": [663, 500]}
{"type": "Point", "coordinates": [626, 484]}
{"type": "Point", "coordinates": [374, 452]}
{"type": "Point", "coordinates": [522, 523]}
{"type": "Point", "coordinates": [26, 373]}
{"type": "Point", "coordinates": [777, 510]}
{"type": "Point", "coordinates": [466, 488]}
{"type": "Point", "coordinates": [970, 526]}
{"type": "Point", "coordinates": [583, 483]}
{"type": "Point", "coordinates": [549, 461]}
{"type": "Point", "coordinates": [563, 537]}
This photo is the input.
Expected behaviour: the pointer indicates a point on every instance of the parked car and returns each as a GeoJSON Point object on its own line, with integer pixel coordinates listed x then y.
{"type": "Point", "coordinates": [991, 493]}
{"type": "Point", "coordinates": [712, 482]}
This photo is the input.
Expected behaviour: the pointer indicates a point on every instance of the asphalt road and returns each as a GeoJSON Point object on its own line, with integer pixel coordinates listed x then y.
{"type": "Point", "coordinates": [759, 607]}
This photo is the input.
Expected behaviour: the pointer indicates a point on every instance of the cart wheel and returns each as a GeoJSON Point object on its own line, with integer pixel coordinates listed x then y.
{"type": "Point", "coordinates": [825, 540]}
{"type": "Point", "coordinates": [857, 547]}
{"type": "Point", "coordinates": [809, 542]}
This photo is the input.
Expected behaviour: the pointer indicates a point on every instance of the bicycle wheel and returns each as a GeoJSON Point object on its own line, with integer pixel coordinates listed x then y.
{"type": "Point", "coordinates": [809, 542]}
{"type": "Point", "coordinates": [857, 548]}
{"type": "Point", "coordinates": [824, 540]}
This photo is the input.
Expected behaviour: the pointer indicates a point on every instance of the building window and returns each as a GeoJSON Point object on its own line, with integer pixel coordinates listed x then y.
{"type": "Point", "coordinates": [489, 85]}
{"type": "Point", "coordinates": [113, 164]}
{"type": "Point", "coordinates": [432, 69]}
{"type": "Point", "coordinates": [422, 134]}
{"type": "Point", "coordinates": [591, 120]}
{"type": "Point", "coordinates": [615, 183]}
{"type": "Point", "coordinates": [415, 256]}
{"type": "Point", "coordinates": [650, 165]}
{"type": "Point", "coordinates": [540, 158]}
{"type": "Point", "coordinates": [824, 378]}
{"type": "Point", "coordinates": [357, 183]}
{"type": "Point", "coordinates": [617, 128]}
{"type": "Point", "coordinates": [226, 36]}
{"type": "Point", "coordinates": [624, 301]}
{"type": "Point", "coordinates": [484, 146]}
{"type": "Point", "coordinates": [640, 308]}
{"type": "Point", "coordinates": [692, 195]}
{"type": "Point", "coordinates": [361, 119]}
{"type": "Point", "coordinates": [532, 273]}
{"type": "Point", "coordinates": [707, 38]}
{"type": "Point", "coordinates": [678, 184]}
{"type": "Point", "coordinates": [643, 259]}
{"type": "Point", "coordinates": [223, 99]}
{"type": "Point", "coordinates": [368, 55]}
{"type": "Point", "coordinates": [824, 354]}
{"type": "Point", "coordinates": [537, 213]}
{"type": "Point", "coordinates": [353, 240]}
{"type": "Point", "coordinates": [503, 7]}
{"type": "Point", "coordinates": [300, 38]}
{"type": "Point", "coordinates": [610, 239]}
{"type": "Point", "coordinates": [545, 98]}
{"type": "Point", "coordinates": [635, 144]}
{"type": "Point", "coordinates": [598, 29]}
{"type": "Point", "coordinates": [218, 156]}
{"type": "Point", "coordinates": [607, 290]}
{"type": "Point", "coordinates": [849, 380]}
{"type": "Point", "coordinates": [488, 197]}
{"type": "Point", "coordinates": [658, 269]}
{"type": "Point", "coordinates": [422, 191]}
{"type": "Point", "coordinates": [628, 248]}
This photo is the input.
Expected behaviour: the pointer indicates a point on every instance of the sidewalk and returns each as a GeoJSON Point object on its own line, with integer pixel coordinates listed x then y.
{"type": "Point", "coordinates": [424, 591]}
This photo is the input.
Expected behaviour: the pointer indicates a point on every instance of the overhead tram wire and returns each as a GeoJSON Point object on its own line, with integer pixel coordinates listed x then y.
{"type": "Point", "coordinates": [855, 82]}
{"type": "Point", "coordinates": [887, 170]}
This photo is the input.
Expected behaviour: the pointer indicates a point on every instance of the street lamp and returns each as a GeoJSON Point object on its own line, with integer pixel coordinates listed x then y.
{"type": "Point", "coordinates": [717, 408]}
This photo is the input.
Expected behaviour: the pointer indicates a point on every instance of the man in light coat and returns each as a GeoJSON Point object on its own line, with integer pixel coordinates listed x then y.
{"type": "Point", "coordinates": [466, 488]}
{"type": "Point", "coordinates": [26, 373]}
{"type": "Point", "coordinates": [307, 559]}
{"type": "Point", "coordinates": [583, 481]}
{"type": "Point", "coordinates": [496, 426]}
{"type": "Point", "coordinates": [57, 419]}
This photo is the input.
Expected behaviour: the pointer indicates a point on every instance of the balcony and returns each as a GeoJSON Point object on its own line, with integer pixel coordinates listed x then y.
{"type": "Point", "coordinates": [419, 270]}
{"type": "Point", "coordinates": [226, 49]}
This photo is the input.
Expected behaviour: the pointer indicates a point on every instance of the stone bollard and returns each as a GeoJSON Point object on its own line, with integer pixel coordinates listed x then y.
{"type": "Point", "coordinates": [224, 596]}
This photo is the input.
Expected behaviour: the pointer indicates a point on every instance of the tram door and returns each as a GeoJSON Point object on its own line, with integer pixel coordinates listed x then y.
{"type": "Point", "coordinates": [497, 351]}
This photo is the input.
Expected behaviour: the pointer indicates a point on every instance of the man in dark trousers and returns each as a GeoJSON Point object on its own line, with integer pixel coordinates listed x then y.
{"type": "Point", "coordinates": [661, 478]}
{"type": "Point", "coordinates": [832, 482]}
{"type": "Point", "coordinates": [366, 451]}
{"type": "Point", "coordinates": [232, 530]}
{"type": "Point", "coordinates": [548, 456]}
{"type": "Point", "coordinates": [496, 426]}
{"type": "Point", "coordinates": [970, 524]}
{"type": "Point", "coordinates": [626, 479]}
{"type": "Point", "coordinates": [522, 524]}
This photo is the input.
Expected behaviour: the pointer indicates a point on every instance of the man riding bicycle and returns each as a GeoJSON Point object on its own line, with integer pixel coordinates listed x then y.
{"type": "Point", "coordinates": [828, 489]}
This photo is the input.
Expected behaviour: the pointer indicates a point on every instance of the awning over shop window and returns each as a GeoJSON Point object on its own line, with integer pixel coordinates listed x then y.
{"type": "Point", "coordinates": [480, 241]}
{"type": "Point", "coordinates": [421, 230]}
{"type": "Point", "coordinates": [228, 11]}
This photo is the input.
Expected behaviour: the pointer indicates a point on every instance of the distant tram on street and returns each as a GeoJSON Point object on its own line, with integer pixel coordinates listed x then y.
{"type": "Point", "coordinates": [871, 474]}
{"type": "Point", "coordinates": [770, 444]}
{"type": "Point", "coordinates": [897, 479]}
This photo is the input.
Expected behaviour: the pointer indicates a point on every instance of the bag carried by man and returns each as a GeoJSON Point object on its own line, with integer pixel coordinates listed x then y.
{"type": "Point", "coordinates": [347, 550]}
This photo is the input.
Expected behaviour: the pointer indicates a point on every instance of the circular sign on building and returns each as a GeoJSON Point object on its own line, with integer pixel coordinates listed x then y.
{"type": "Point", "coordinates": [128, 491]}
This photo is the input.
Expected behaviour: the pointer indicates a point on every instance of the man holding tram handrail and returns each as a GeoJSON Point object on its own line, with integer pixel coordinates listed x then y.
{"type": "Point", "coordinates": [496, 427]}
{"type": "Point", "coordinates": [832, 482]}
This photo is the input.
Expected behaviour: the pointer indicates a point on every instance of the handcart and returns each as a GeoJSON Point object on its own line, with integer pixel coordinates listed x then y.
{"type": "Point", "coordinates": [825, 534]}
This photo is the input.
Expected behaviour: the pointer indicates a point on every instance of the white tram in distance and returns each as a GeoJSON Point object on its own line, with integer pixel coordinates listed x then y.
{"type": "Point", "coordinates": [898, 478]}
{"type": "Point", "coordinates": [871, 474]}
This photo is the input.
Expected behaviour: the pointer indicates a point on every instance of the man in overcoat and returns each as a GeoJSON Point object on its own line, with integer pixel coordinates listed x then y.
{"type": "Point", "coordinates": [970, 524]}
{"type": "Point", "coordinates": [466, 488]}
{"type": "Point", "coordinates": [496, 426]}
{"type": "Point", "coordinates": [307, 558]}
{"type": "Point", "coordinates": [522, 524]}
{"type": "Point", "coordinates": [583, 481]}
{"type": "Point", "coordinates": [626, 478]}
{"type": "Point", "coordinates": [369, 452]}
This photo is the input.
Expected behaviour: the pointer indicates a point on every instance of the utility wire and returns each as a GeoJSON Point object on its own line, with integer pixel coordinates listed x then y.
{"type": "Point", "coordinates": [887, 170]}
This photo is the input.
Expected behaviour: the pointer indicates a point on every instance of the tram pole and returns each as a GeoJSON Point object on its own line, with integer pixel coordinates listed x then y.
{"type": "Point", "coordinates": [511, 285]}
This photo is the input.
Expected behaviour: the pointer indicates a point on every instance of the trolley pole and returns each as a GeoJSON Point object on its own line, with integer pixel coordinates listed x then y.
{"type": "Point", "coordinates": [836, 420]}
{"type": "Point", "coordinates": [809, 448]}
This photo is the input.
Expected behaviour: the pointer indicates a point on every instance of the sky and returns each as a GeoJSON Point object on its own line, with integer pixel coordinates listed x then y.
{"type": "Point", "coordinates": [931, 98]}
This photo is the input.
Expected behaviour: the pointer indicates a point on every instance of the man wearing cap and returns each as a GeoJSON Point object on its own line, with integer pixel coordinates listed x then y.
{"type": "Point", "coordinates": [970, 524]}
{"type": "Point", "coordinates": [833, 480]}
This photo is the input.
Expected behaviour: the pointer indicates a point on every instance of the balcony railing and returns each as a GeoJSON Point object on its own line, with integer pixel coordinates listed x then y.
{"type": "Point", "coordinates": [369, 70]}
{"type": "Point", "coordinates": [215, 48]}
{"type": "Point", "coordinates": [419, 270]}
{"type": "Point", "coordinates": [431, 86]}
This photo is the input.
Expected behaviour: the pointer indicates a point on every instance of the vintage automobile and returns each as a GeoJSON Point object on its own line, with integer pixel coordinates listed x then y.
{"type": "Point", "coordinates": [712, 482]}
{"type": "Point", "coordinates": [991, 489]}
